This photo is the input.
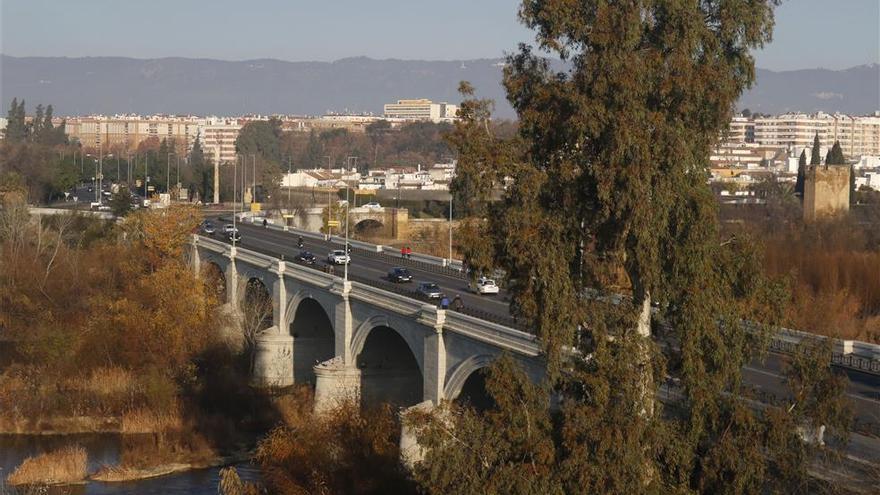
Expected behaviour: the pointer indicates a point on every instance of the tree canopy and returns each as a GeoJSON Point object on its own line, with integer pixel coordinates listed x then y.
{"type": "Point", "coordinates": [606, 193]}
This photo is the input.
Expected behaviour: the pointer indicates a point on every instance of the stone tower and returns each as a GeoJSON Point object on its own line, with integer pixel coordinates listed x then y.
{"type": "Point", "coordinates": [826, 191]}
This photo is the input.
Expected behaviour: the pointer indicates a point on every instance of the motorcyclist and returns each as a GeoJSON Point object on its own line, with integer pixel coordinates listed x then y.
{"type": "Point", "coordinates": [300, 242]}
{"type": "Point", "coordinates": [265, 224]}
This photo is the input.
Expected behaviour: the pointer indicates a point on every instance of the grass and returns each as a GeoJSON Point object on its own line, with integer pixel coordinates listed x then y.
{"type": "Point", "coordinates": [65, 465]}
{"type": "Point", "coordinates": [147, 421]}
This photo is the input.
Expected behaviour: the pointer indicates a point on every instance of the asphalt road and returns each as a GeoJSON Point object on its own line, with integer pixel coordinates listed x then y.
{"type": "Point", "coordinates": [863, 390]}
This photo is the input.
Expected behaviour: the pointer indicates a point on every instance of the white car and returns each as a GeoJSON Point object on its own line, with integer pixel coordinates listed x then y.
{"type": "Point", "coordinates": [373, 206]}
{"type": "Point", "coordinates": [228, 228]}
{"type": "Point", "coordinates": [485, 286]}
{"type": "Point", "coordinates": [338, 257]}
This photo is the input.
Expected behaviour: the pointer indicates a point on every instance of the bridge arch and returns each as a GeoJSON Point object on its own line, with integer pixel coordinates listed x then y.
{"type": "Point", "coordinates": [467, 383]}
{"type": "Point", "coordinates": [390, 369]}
{"type": "Point", "coordinates": [256, 306]}
{"type": "Point", "coordinates": [369, 227]}
{"type": "Point", "coordinates": [214, 279]}
{"type": "Point", "coordinates": [311, 327]}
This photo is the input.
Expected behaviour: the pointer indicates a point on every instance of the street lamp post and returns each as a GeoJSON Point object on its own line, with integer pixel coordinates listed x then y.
{"type": "Point", "coordinates": [450, 228]}
{"type": "Point", "coordinates": [234, 180]}
{"type": "Point", "coordinates": [347, 250]}
{"type": "Point", "coordinates": [254, 179]}
{"type": "Point", "coordinates": [168, 173]}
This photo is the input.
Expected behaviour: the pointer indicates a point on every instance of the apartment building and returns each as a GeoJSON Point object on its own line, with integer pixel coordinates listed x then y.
{"type": "Point", "coordinates": [858, 135]}
{"type": "Point", "coordinates": [421, 109]}
{"type": "Point", "coordinates": [124, 133]}
{"type": "Point", "coordinates": [219, 137]}
{"type": "Point", "coordinates": [741, 130]}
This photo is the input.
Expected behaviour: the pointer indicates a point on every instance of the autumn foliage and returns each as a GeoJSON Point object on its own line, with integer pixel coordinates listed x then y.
{"type": "Point", "coordinates": [98, 318]}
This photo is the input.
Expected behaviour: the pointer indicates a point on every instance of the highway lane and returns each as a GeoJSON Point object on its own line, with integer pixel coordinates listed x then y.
{"type": "Point", "coordinates": [767, 375]}
{"type": "Point", "coordinates": [372, 266]}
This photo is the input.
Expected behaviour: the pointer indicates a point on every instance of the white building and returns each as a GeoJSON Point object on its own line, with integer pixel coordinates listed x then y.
{"type": "Point", "coordinates": [421, 109]}
{"type": "Point", "coordinates": [219, 137]}
{"type": "Point", "coordinates": [858, 136]}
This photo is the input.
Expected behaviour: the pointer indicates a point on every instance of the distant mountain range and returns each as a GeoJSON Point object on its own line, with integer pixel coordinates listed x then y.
{"type": "Point", "coordinates": [109, 85]}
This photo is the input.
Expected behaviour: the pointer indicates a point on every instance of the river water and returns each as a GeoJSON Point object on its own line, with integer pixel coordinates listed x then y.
{"type": "Point", "coordinates": [104, 449]}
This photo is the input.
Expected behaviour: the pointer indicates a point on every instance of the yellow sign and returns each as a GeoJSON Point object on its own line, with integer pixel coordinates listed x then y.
{"type": "Point", "coordinates": [255, 207]}
{"type": "Point", "coordinates": [365, 192]}
{"type": "Point", "coordinates": [288, 215]}
{"type": "Point", "coordinates": [333, 223]}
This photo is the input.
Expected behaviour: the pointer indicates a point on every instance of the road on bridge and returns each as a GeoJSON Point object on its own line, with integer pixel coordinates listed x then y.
{"type": "Point", "coordinates": [766, 375]}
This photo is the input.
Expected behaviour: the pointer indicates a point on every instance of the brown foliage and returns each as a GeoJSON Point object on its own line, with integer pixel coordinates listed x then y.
{"type": "Point", "coordinates": [835, 270]}
{"type": "Point", "coordinates": [343, 451]}
{"type": "Point", "coordinates": [66, 465]}
{"type": "Point", "coordinates": [101, 323]}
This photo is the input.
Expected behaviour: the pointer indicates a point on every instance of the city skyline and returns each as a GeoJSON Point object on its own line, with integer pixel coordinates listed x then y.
{"type": "Point", "coordinates": [850, 34]}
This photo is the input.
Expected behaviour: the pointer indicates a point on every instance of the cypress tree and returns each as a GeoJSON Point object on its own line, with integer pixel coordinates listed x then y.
{"type": "Point", "coordinates": [814, 155]}
{"type": "Point", "coordinates": [801, 174]}
{"type": "Point", "coordinates": [852, 185]}
{"type": "Point", "coordinates": [836, 155]}
{"type": "Point", "coordinates": [37, 125]}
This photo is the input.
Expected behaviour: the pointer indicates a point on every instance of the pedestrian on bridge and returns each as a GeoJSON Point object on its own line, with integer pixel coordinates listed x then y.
{"type": "Point", "coordinates": [457, 303]}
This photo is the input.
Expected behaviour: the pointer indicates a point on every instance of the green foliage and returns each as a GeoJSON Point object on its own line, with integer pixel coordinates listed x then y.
{"type": "Point", "coordinates": [801, 174]}
{"type": "Point", "coordinates": [507, 450]}
{"type": "Point", "coordinates": [814, 155]}
{"type": "Point", "coordinates": [835, 155]}
{"type": "Point", "coordinates": [260, 137]}
{"type": "Point", "coordinates": [606, 192]}
{"type": "Point", "coordinates": [120, 202]}
{"type": "Point", "coordinates": [40, 130]}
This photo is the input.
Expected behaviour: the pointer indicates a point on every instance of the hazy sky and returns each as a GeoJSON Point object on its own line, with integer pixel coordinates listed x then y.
{"type": "Point", "coordinates": [809, 33]}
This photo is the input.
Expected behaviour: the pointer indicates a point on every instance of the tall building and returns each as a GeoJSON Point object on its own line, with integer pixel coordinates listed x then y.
{"type": "Point", "coordinates": [421, 109]}
{"type": "Point", "coordinates": [219, 137]}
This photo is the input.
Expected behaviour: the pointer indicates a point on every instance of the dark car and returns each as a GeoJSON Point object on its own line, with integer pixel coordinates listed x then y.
{"type": "Point", "coordinates": [429, 290]}
{"type": "Point", "coordinates": [306, 258]}
{"type": "Point", "coordinates": [208, 228]}
{"type": "Point", "coordinates": [398, 275]}
{"type": "Point", "coordinates": [233, 235]}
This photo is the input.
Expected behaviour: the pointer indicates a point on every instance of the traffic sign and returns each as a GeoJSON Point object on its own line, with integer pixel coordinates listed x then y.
{"type": "Point", "coordinates": [333, 223]}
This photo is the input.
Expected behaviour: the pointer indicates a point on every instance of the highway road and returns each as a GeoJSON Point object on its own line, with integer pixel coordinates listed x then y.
{"type": "Point", "coordinates": [766, 375]}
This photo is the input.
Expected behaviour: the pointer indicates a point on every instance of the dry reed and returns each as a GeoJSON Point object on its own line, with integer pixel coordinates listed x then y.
{"type": "Point", "coordinates": [65, 465]}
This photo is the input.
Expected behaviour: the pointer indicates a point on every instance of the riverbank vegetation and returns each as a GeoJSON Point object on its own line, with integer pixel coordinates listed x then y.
{"type": "Point", "coordinates": [63, 466]}
{"type": "Point", "coordinates": [834, 271]}
{"type": "Point", "coordinates": [105, 328]}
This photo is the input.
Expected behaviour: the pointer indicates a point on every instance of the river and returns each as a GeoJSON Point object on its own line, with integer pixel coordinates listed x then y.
{"type": "Point", "coordinates": [104, 449]}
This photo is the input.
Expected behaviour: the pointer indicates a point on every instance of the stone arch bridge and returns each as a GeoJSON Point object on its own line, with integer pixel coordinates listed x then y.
{"type": "Point", "coordinates": [353, 340]}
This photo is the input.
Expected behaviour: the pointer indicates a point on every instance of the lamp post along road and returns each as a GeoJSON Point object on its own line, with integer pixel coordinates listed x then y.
{"type": "Point", "coordinates": [450, 229]}
{"type": "Point", "coordinates": [234, 180]}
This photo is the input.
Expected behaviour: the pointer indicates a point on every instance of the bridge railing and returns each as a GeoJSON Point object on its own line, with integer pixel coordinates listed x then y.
{"type": "Point", "coordinates": [505, 336]}
{"type": "Point", "coordinates": [849, 354]}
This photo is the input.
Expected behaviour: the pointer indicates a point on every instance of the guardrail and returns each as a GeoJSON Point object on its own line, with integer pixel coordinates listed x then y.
{"type": "Point", "coordinates": [854, 355]}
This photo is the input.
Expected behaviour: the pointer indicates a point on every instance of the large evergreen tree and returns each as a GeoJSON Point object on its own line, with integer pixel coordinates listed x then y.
{"type": "Point", "coordinates": [606, 191]}
{"type": "Point", "coordinates": [835, 155]}
{"type": "Point", "coordinates": [814, 155]}
{"type": "Point", "coordinates": [801, 173]}
{"type": "Point", "coordinates": [16, 129]}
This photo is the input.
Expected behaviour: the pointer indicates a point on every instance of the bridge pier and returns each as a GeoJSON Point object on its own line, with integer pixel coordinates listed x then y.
{"type": "Point", "coordinates": [231, 279]}
{"type": "Point", "coordinates": [411, 452]}
{"type": "Point", "coordinates": [434, 349]}
{"type": "Point", "coordinates": [194, 257]}
{"type": "Point", "coordinates": [273, 359]}
{"type": "Point", "coordinates": [336, 384]}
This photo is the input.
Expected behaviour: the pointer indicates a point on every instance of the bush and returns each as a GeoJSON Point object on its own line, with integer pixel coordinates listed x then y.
{"type": "Point", "coordinates": [65, 465]}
